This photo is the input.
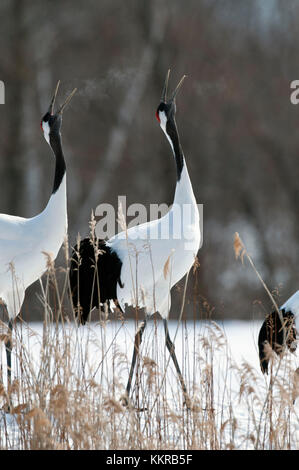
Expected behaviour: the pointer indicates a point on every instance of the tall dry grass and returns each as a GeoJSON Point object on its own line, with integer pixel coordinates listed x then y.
{"type": "Point", "coordinates": [68, 382]}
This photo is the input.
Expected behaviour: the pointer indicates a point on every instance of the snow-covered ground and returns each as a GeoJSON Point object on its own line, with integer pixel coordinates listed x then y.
{"type": "Point", "coordinates": [231, 349]}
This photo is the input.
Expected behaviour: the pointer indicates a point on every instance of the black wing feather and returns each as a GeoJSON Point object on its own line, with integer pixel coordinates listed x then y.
{"type": "Point", "coordinates": [271, 333]}
{"type": "Point", "coordinates": [91, 279]}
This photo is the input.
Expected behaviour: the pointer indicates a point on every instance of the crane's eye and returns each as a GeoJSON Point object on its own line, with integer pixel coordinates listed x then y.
{"type": "Point", "coordinates": [157, 116]}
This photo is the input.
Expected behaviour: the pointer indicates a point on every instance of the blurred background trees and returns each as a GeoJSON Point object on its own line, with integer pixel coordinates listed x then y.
{"type": "Point", "coordinates": [238, 128]}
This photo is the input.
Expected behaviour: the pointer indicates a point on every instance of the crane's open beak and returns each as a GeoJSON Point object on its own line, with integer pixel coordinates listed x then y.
{"type": "Point", "coordinates": [61, 109]}
{"type": "Point", "coordinates": [164, 92]}
{"type": "Point", "coordinates": [51, 107]}
{"type": "Point", "coordinates": [52, 104]}
{"type": "Point", "coordinates": [177, 88]}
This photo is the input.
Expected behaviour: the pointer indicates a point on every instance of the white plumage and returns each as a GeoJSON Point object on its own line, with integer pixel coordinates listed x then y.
{"type": "Point", "coordinates": [25, 244]}
{"type": "Point", "coordinates": [145, 249]}
{"type": "Point", "coordinates": [139, 266]}
{"type": "Point", "coordinates": [292, 305]}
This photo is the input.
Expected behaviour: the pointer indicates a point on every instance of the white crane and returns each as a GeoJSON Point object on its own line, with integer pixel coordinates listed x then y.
{"type": "Point", "coordinates": [276, 335]}
{"type": "Point", "coordinates": [24, 242]}
{"type": "Point", "coordinates": [139, 266]}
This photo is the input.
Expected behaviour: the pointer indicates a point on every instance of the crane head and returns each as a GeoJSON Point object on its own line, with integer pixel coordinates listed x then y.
{"type": "Point", "coordinates": [167, 107]}
{"type": "Point", "coordinates": [51, 122]}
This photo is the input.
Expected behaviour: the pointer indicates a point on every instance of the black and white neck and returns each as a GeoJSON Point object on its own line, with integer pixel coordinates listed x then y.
{"type": "Point", "coordinates": [55, 213]}
{"type": "Point", "coordinates": [169, 127]}
{"type": "Point", "coordinates": [184, 191]}
{"type": "Point", "coordinates": [60, 167]}
{"type": "Point", "coordinates": [53, 137]}
{"type": "Point", "coordinates": [51, 124]}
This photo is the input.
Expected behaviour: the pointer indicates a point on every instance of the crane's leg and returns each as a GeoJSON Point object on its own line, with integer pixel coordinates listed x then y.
{"type": "Point", "coordinates": [170, 347]}
{"type": "Point", "coordinates": [137, 342]}
{"type": "Point", "coordinates": [8, 348]}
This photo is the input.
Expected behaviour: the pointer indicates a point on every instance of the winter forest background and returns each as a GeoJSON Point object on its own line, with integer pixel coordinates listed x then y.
{"type": "Point", "coordinates": [239, 130]}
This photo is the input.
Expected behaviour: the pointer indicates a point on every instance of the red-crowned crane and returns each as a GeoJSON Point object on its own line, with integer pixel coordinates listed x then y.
{"type": "Point", "coordinates": [276, 335]}
{"type": "Point", "coordinates": [139, 266]}
{"type": "Point", "coordinates": [24, 242]}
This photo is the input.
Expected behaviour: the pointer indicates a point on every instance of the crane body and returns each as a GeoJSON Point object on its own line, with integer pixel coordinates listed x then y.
{"type": "Point", "coordinates": [26, 242]}
{"type": "Point", "coordinates": [139, 266]}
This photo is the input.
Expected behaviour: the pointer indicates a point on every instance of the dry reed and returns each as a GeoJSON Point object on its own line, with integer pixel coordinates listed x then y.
{"type": "Point", "coordinates": [68, 382]}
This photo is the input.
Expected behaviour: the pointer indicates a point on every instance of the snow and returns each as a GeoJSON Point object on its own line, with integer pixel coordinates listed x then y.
{"type": "Point", "coordinates": [230, 349]}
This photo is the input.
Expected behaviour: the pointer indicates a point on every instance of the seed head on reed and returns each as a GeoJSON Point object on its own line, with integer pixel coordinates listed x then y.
{"type": "Point", "coordinates": [16, 410]}
{"type": "Point", "coordinates": [58, 398]}
{"type": "Point", "coordinates": [113, 406]}
{"type": "Point", "coordinates": [50, 261]}
{"type": "Point", "coordinates": [239, 248]}
{"type": "Point", "coordinates": [121, 218]}
{"type": "Point", "coordinates": [166, 268]}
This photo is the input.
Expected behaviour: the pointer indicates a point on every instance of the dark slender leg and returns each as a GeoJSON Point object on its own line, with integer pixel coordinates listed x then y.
{"type": "Point", "coordinates": [8, 348]}
{"type": "Point", "coordinates": [137, 342]}
{"type": "Point", "coordinates": [170, 347]}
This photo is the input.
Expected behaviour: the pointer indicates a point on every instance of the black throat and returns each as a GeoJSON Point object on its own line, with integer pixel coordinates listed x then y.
{"type": "Point", "coordinates": [60, 168]}
{"type": "Point", "coordinates": [173, 134]}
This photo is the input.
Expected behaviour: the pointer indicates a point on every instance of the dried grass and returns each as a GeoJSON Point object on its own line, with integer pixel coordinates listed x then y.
{"type": "Point", "coordinates": [69, 382]}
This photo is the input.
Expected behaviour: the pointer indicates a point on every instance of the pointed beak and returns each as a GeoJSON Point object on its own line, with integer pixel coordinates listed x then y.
{"type": "Point", "coordinates": [164, 92]}
{"type": "Point", "coordinates": [61, 109]}
{"type": "Point", "coordinates": [51, 107]}
{"type": "Point", "coordinates": [177, 88]}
